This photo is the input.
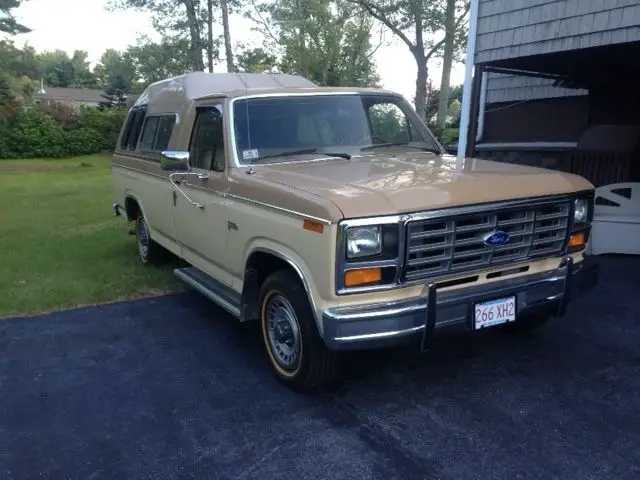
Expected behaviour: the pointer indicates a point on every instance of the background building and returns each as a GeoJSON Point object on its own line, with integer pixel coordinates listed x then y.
{"type": "Point", "coordinates": [75, 97]}
{"type": "Point", "coordinates": [555, 85]}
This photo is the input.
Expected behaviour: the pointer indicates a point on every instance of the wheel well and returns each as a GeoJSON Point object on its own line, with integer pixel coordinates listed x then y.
{"type": "Point", "coordinates": [259, 266]}
{"type": "Point", "coordinates": [131, 208]}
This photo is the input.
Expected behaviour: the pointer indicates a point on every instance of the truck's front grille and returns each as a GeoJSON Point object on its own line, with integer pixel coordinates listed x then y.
{"type": "Point", "coordinates": [455, 244]}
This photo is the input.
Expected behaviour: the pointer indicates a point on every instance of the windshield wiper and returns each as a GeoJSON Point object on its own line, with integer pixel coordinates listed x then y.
{"type": "Point", "coordinates": [302, 152]}
{"type": "Point", "coordinates": [403, 144]}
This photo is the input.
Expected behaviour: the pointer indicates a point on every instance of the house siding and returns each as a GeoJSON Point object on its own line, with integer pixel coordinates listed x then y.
{"type": "Point", "coordinates": [516, 28]}
{"type": "Point", "coordinates": [514, 88]}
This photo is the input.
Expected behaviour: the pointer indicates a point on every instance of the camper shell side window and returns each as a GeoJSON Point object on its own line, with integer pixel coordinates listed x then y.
{"type": "Point", "coordinates": [133, 127]}
{"type": "Point", "coordinates": [156, 132]}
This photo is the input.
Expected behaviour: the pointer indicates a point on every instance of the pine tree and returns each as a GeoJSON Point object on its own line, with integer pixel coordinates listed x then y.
{"type": "Point", "coordinates": [6, 95]}
{"type": "Point", "coordinates": [115, 95]}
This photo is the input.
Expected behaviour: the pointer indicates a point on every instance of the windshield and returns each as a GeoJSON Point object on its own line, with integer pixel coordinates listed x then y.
{"type": "Point", "coordinates": [324, 124]}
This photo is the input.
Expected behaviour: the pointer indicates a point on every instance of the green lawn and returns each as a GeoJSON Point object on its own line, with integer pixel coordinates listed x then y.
{"type": "Point", "coordinates": [60, 245]}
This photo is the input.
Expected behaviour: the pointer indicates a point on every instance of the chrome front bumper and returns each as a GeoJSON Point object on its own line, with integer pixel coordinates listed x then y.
{"type": "Point", "coordinates": [396, 323]}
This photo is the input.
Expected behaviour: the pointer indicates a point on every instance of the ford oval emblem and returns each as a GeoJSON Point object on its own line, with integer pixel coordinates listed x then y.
{"type": "Point", "coordinates": [495, 239]}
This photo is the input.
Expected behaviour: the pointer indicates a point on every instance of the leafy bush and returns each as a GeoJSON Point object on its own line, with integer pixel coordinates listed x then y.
{"type": "Point", "coordinates": [8, 110]}
{"type": "Point", "coordinates": [107, 122]}
{"type": "Point", "coordinates": [31, 133]}
{"type": "Point", "coordinates": [63, 114]}
{"type": "Point", "coordinates": [449, 135]}
{"type": "Point", "coordinates": [445, 135]}
{"type": "Point", "coordinates": [82, 141]}
{"type": "Point", "coordinates": [56, 130]}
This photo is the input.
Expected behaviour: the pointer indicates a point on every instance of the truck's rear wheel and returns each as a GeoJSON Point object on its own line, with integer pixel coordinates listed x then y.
{"type": "Point", "coordinates": [149, 251]}
{"type": "Point", "coordinates": [298, 355]}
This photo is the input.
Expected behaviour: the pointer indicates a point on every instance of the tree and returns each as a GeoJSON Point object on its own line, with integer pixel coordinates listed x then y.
{"type": "Point", "coordinates": [22, 88]}
{"type": "Point", "coordinates": [18, 62]}
{"type": "Point", "coordinates": [84, 77]}
{"type": "Point", "coordinates": [325, 41]}
{"type": "Point", "coordinates": [449, 45]}
{"type": "Point", "coordinates": [8, 23]}
{"type": "Point", "coordinates": [115, 95]}
{"type": "Point", "coordinates": [178, 20]}
{"type": "Point", "coordinates": [5, 90]}
{"type": "Point", "coordinates": [20, 68]}
{"type": "Point", "coordinates": [154, 61]}
{"type": "Point", "coordinates": [224, 7]}
{"type": "Point", "coordinates": [57, 68]}
{"type": "Point", "coordinates": [455, 93]}
{"type": "Point", "coordinates": [8, 104]}
{"type": "Point", "coordinates": [115, 64]}
{"type": "Point", "coordinates": [210, 35]}
{"type": "Point", "coordinates": [420, 19]}
{"type": "Point", "coordinates": [433, 98]}
{"type": "Point", "coordinates": [194, 22]}
{"type": "Point", "coordinates": [257, 60]}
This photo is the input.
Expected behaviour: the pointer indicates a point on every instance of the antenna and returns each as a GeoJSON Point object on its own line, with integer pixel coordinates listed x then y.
{"type": "Point", "coordinates": [246, 104]}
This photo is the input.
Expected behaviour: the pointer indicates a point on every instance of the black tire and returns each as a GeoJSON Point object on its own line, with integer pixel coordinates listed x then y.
{"type": "Point", "coordinates": [527, 323]}
{"type": "Point", "coordinates": [153, 254]}
{"type": "Point", "coordinates": [314, 365]}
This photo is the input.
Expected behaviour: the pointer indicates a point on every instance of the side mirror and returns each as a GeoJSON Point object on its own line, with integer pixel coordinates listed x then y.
{"type": "Point", "coordinates": [174, 160]}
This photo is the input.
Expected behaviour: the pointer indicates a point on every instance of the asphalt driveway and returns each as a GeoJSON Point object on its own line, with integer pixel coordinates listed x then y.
{"type": "Point", "coordinates": [172, 388]}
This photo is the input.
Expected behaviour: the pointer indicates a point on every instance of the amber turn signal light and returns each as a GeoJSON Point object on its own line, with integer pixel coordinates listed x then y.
{"type": "Point", "coordinates": [362, 276]}
{"type": "Point", "coordinates": [312, 226]}
{"type": "Point", "coordinates": [576, 240]}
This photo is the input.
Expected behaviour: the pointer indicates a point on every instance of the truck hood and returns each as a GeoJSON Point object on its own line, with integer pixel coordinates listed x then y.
{"type": "Point", "coordinates": [379, 184]}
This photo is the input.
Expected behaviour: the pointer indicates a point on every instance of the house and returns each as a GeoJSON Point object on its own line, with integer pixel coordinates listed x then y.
{"type": "Point", "coordinates": [75, 97]}
{"type": "Point", "coordinates": [554, 85]}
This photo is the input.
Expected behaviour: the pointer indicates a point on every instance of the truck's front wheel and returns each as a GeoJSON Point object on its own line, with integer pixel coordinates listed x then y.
{"type": "Point", "coordinates": [148, 250]}
{"type": "Point", "coordinates": [297, 354]}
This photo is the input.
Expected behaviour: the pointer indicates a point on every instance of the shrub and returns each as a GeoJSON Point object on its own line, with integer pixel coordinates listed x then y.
{"type": "Point", "coordinates": [56, 130]}
{"type": "Point", "coordinates": [82, 141]}
{"type": "Point", "coordinates": [8, 110]}
{"type": "Point", "coordinates": [33, 134]}
{"type": "Point", "coordinates": [4, 145]}
{"type": "Point", "coordinates": [63, 114]}
{"type": "Point", "coordinates": [107, 122]}
{"type": "Point", "coordinates": [449, 135]}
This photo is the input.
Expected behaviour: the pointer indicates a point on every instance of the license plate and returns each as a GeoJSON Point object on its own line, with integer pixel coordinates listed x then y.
{"type": "Point", "coordinates": [494, 312]}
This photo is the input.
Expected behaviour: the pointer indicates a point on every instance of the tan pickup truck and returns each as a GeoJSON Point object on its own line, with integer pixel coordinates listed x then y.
{"type": "Point", "coordinates": [335, 218]}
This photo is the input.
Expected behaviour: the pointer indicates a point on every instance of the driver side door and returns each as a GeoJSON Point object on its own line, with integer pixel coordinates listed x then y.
{"type": "Point", "coordinates": [200, 212]}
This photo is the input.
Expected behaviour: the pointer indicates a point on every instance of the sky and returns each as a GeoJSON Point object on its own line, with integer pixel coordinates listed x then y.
{"type": "Point", "coordinates": [86, 25]}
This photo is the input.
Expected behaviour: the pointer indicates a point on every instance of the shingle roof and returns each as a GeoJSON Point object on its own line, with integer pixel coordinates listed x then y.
{"type": "Point", "coordinates": [73, 94]}
{"type": "Point", "coordinates": [92, 95]}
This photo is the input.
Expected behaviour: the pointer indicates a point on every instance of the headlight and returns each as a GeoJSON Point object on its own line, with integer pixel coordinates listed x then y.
{"type": "Point", "coordinates": [580, 210]}
{"type": "Point", "coordinates": [363, 241]}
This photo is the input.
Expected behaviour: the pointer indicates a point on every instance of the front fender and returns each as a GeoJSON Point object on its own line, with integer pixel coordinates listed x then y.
{"type": "Point", "coordinates": [297, 263]}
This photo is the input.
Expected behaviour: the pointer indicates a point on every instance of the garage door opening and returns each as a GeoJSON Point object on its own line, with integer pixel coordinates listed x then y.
{"type": "Point", "coordinates": [590, 127]}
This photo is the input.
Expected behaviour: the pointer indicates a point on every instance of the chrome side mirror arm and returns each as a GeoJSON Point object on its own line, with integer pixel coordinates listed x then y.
{"type": "Point", "coordinates": [176, 184]}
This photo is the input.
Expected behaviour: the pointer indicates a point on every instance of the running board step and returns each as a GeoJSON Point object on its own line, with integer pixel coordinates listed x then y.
{"type": "Point", "coordinates": [210, 288]}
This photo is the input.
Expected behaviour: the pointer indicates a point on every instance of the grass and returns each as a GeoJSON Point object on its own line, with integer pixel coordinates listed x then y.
{"type": "Point", "coordinates": [60, 245]}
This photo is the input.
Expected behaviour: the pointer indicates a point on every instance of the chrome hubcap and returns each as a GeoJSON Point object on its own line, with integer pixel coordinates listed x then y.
{"type": "Point", "coordinates": [143, 239]}
{"type": "Point", "coordinates": [283, 332]}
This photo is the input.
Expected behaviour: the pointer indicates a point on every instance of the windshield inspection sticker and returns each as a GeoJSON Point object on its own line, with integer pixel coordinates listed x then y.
{"type": "Point", "coordinates": [250, 154]}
